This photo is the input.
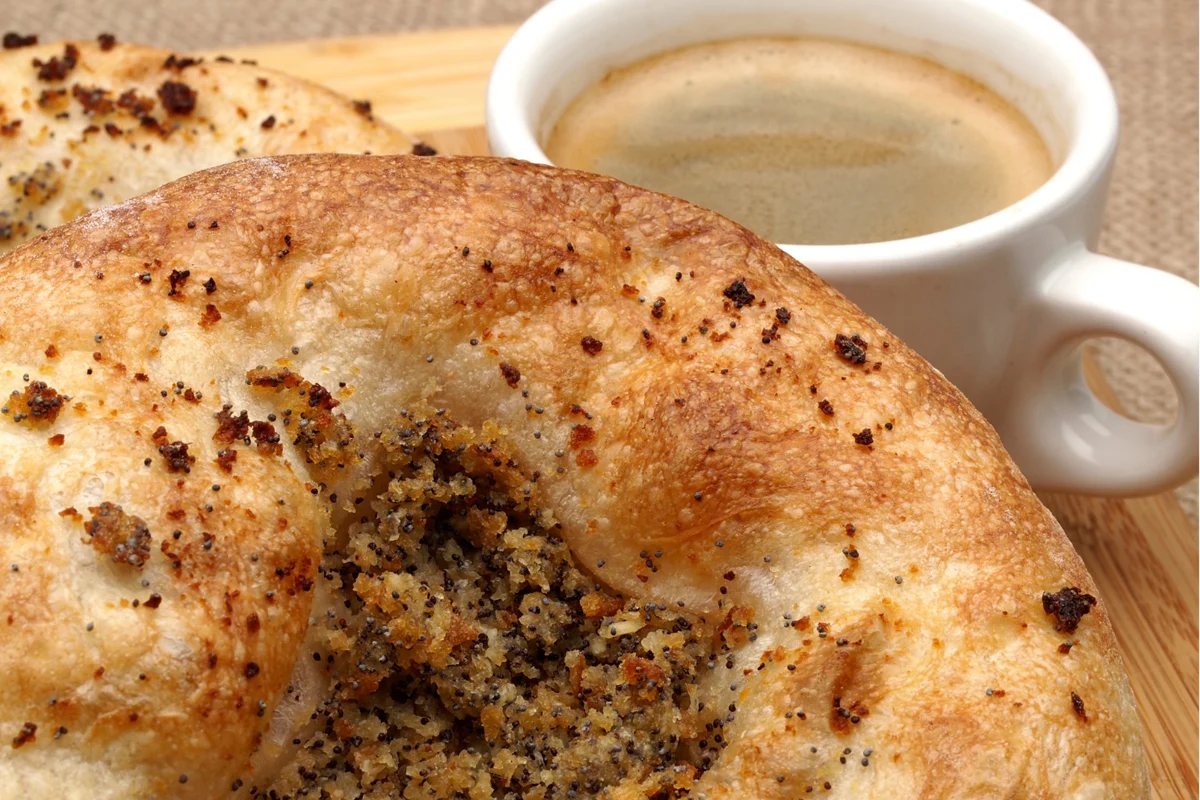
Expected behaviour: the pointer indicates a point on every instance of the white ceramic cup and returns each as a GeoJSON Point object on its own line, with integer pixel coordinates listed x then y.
{"type": "Point", "coordinates": [1000, 305]}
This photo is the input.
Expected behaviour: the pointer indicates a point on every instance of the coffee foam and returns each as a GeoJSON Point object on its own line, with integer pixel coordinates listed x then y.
{"type": "Point", "coordinates": [807, 140]}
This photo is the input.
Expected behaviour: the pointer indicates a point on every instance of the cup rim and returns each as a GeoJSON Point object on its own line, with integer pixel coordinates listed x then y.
{"type": "Point", "coordinates": [1091, 142]}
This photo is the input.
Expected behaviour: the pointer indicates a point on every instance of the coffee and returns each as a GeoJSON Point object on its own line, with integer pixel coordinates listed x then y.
{"type": "Point", "coordinates": [807, 141]}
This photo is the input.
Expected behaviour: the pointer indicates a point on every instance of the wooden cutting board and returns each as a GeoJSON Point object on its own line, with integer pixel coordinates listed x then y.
{"type": "Point", "coordinates": [1142, 552]}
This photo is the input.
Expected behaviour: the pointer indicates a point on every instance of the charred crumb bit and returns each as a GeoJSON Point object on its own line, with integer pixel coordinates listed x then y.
{"type": "Point", "coordinates": [739, 294]}
{"type": "Point", "coordinates": [783, 316]}
{"type": "Point", "coordinates": [864, 437]}
{"type": "Point", "coordinates": [152, 124]}
{"type": "Point", "coordinates": [262, 82]}
{"type": "Point", "coordinates": [1068, 606]}
{"type": "Point", "coordinates": [511, 374]}
{"type": "Point", "coordinates": [175, 454]}
{"type": "Point", "coordinates": [56, 69]}
{"type": "Point", "coordinates": [210, 317]}
{"type": "Point", "coordinates": [95, 101]}
{"type": "Point", "coordinates": [422, 149]}
{"type": "Point", "coordinates": [226, 459]}
{"type": "Point", "coordinates": [487, 265]}
{"type": "Point", "coordinates": [14, 41]}
{"type": "Point", "coordinates": [28, 732]}
{"type": "Point", "coordinates": [210, 286]}
{"type": "Point", "coordinates": [135, 104]}
{"type": "Point", "coordinates": [9, 129]}
{"type": "Point", "coordinates": [851, 348]}
{"type": "Point", "coordinates": [231, 429]}
{"type": "Point", "coordinates": [319, 396]}
{"type": "Point", "coordinates": [1065, 647]}
{"type": "Point", "coordinates": [268, 123]}
{"type": "Point", "coordinates": [826, 408]}
{"type": "Point", "coordinates": [770, 334]}
{"type": "Point", "coordinates": [591, 346]}
{"type": "Point", "coordinates": [191, 224]}
{"type": "Point", "coordinates": [324, 436]}
{"type": "Point", "coordinates": [107, 41]}
{"type": "Point", "coordinates": [38, 403]}
{"type": "Point", "coordinates": [214, 225]}
{"type": "Point", "coordinates": [123, 536]}
{"type": "Point", "coordinates": [1077, 707]}
{"type": "Point", "coordinates": [812, 389]}
{"type": "Point", "coordinates": [580, 435]}
{"type": "Point", "coordinates": [154, 601]}
{"type": "Point", "coordinates": [266, 439]}
{"type": "Point", "coordinates": [180, 63]}
{"type": "Point", "coordinates": [252, 670]}
{"type": "Point", "coordinates": [52, 99]}
{"type": "Point", "coordinates": [362, 106]}
{"type": "Point", "coordinates": [177, 280]}
{"type": "Point", "coordinates": [177, 98]}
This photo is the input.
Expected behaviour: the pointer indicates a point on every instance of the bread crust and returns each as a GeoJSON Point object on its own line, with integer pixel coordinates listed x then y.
{"type": "Point", "coordinates": [466, 283]}
{"type": "Point", "coordinates": [87, 124]}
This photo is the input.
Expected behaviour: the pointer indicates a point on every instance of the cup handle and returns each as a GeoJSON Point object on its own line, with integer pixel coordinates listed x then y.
{"type": "Point", "coordinates": [1062, 435]}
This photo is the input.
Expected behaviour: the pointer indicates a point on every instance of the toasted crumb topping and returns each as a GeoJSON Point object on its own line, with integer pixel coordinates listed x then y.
{"type": "Point", "coordinates": [308, 418]}
{"type": "Point", "coordinates": [472, 657]}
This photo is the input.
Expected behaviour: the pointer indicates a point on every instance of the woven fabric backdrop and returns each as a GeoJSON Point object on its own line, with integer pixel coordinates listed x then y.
{"type": "Point", "coordinates": [1148, 47]}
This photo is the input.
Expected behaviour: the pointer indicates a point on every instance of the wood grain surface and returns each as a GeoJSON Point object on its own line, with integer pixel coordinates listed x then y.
{"type": "Point", "coordinates": [1142, 551]}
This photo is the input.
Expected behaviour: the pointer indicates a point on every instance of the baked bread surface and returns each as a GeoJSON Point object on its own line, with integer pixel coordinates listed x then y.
{"type": "Point", "coordinates": [897, 523]}
{"type": "Point", "coordinates": [87, 124]}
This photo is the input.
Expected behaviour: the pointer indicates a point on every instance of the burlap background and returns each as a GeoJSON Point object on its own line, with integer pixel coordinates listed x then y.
{"type": "Point", "coordinates": [1148, 47]}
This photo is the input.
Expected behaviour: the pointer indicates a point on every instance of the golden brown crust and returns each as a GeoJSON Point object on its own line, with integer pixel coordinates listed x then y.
{"type": "Point", "coordinates": [903, 579]}
{"type": "Point", "coordinates": [88, 124]}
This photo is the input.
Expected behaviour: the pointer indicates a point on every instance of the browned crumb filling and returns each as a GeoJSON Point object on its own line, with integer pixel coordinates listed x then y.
{"type": "Point", "coordinates": [469, 657]}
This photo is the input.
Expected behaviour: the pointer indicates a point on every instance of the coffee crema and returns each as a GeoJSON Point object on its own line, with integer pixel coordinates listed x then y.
{"type": "Point", "coordinates": [807, 141]}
